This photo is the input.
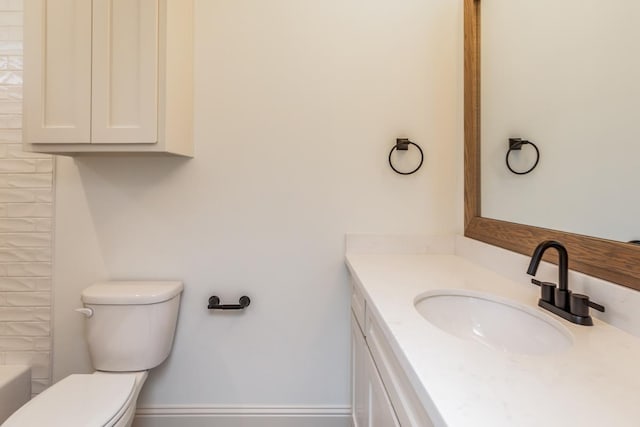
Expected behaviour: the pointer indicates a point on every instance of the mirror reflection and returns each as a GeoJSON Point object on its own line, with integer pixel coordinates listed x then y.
{"type": "Point", "coordinates": [565, 76]}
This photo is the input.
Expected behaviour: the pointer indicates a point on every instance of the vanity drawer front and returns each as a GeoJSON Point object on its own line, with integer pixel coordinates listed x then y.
{"type": "Point", "coordinates": [358, 306]}
{"type": "Point", "coordinates": [407, 406]}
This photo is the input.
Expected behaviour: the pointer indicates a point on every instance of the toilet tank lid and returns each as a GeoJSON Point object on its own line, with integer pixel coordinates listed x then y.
{"type": "Point", "coordinates": [131, 292]}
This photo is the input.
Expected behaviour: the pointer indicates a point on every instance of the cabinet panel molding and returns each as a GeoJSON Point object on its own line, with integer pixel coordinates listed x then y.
{"type": "Point", "coordinates": [57, 71]}
{"type": "Point", "coordinates": [125, 72]}
{"type": "Point", "coordinates": [359, 387]}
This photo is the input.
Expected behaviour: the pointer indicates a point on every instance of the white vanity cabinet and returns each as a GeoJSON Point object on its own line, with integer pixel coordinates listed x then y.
{"type": "Point", "coordinates": [108, 76]}
{"type": "Point", "coordinates": [370, 402]}
{"type": "Point", "coordinates": [382, 395]}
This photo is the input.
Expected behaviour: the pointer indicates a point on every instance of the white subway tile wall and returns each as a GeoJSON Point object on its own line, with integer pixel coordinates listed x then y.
{"type": "Point", "coordinates": [25, 220]}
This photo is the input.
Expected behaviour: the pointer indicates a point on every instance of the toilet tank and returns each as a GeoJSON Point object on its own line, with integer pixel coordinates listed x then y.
{"type": "Point", "coordinates": [130, 325]}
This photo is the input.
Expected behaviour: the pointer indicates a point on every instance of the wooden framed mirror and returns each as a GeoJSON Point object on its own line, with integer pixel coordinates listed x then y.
{"type": "Point", "coordinates": [606, 259]}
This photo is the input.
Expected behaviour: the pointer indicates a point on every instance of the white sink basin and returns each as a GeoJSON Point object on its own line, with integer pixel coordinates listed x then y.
{"type": "Point", "coordinates": [495, 322]}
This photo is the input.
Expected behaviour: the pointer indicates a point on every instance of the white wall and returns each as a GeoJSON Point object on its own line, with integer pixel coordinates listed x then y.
{"type": "Point", "coordinates": [297, 106]}
{"type": "Point", "coordinates": [25, 220]}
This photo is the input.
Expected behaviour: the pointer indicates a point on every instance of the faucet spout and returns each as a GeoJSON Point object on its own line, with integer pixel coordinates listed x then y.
{"type": "Point", "coordinates": [563, 262]}
{"type": "Point", "coordinates": [560, 300]}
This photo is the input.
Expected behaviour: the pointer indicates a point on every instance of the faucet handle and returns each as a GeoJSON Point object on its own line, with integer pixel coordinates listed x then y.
{"type": "Point", "coordinates": [596, 306]}
{"type": "Point", "coordinates": [547, 290]}
{"type": "Point", "coordinates": [579, 305]}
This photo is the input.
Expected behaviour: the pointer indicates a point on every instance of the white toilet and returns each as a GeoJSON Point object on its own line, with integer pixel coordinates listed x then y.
{"type": "Point", "coordinates": [130, 328]}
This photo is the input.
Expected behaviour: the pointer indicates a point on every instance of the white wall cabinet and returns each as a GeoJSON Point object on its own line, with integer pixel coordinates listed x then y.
{"type": "Point", "coordinates": [382, 395]}
{"type": "Point", "coordinates": [108, 76]}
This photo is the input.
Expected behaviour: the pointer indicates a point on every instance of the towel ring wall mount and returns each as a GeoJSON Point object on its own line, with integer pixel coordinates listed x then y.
{"type": "Point", "coordinates": [402, 144]}
{"type": "Point", "coordinates": [515, 144]}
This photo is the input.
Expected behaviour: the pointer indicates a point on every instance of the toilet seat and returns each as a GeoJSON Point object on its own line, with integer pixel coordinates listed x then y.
{"type": "Point", "coordinates": [98, 399]}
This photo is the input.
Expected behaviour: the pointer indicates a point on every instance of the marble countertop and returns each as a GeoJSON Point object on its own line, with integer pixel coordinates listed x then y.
{"type": "Point", "coordinates": [593, 383]}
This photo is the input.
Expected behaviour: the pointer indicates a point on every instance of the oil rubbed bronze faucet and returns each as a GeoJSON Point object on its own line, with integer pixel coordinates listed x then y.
{"type": "Point", "coordinates": [560, 300]}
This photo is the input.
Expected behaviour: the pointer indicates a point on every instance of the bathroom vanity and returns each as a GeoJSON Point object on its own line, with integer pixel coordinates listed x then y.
{"type": "Point", "coordinates": [537, 369]}
{"type": "Point", "coordinates": [382, 394]}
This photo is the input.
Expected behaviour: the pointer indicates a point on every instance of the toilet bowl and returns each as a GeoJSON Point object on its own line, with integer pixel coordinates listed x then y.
{"type": "Point", "coordinates": [98, 399]}
{"type": "Point", "coordinates": [130, 329]}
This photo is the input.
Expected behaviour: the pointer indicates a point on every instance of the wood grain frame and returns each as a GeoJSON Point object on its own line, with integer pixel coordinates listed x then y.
{"type": "Point", "coordinates": [613, 261]}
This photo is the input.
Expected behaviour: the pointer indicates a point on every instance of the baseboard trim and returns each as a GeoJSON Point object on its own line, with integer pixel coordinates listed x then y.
{"type": "Point", "coordinates": [245, 416]}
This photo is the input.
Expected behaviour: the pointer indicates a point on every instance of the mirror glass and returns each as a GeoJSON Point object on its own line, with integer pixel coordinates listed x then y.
{"type": "Point", "coordinates": [564, 75]}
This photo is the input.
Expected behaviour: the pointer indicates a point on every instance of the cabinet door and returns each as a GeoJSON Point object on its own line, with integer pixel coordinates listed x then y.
{"type": "Point", "coordinates": [57, 71]}
{"type": "Point", "coordinates": [359, 384]}
{"type": "Point", "coordinates": [370, 404]}
{"type": "Point", "coordinates": [125, 71]}
{"type": "Point", "coordinates": [381, 413]}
